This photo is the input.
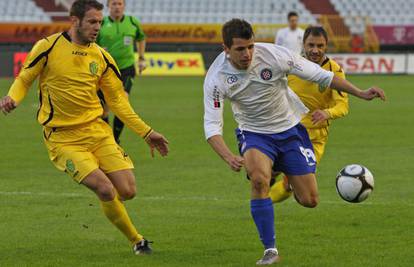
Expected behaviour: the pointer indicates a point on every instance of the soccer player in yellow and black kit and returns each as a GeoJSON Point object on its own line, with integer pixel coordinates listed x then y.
{"type": "Point", "coordinates": [324, 104]}
{"type": "Point", "coordinates": [71, 68]}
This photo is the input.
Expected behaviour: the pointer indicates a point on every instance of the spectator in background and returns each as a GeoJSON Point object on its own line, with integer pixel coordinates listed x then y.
{"type": "Point", "coordinates": [357, 43]}
{"type": "Point", "coordinates": [291, 37]}
{"type": "Point", "coordinates": [120, 35]}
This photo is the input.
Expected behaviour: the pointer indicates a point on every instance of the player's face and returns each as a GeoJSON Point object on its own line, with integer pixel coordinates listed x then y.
{"type": "Point", "coordinates": [116, 8]}
{"type": "Point", "coordinates": [241, 52]}
{"type": "Point", "coordinates": [293, 22]}
{"type": "Point", "coordinates": [315, 48]}
{"type": "Point", "coordinates": [89, 27]}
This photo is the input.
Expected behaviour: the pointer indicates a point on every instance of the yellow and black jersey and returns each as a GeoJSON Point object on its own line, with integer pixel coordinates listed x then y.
{"type": "Point", "coordinates": [69, 78]}
{"type": "Point", "coordinates": [315, 97]}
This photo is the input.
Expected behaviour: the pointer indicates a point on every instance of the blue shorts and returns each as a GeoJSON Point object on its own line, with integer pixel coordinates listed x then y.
{"type": "Point", "coordinates": [291, 151]}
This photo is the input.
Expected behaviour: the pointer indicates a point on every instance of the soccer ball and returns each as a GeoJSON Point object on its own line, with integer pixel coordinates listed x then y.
{"type": "Point", "coordinates": [354, 183]}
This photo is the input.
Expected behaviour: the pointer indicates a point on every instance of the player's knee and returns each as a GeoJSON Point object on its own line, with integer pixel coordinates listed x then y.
{"type": "Point", "coordinates": [259, 183]}
{"type": "Point", "coordinates": [310, 201]}
{"type": "Point", "coordinates": [105, 191]}
{"type": "Point", "coordinates": [128, 194]}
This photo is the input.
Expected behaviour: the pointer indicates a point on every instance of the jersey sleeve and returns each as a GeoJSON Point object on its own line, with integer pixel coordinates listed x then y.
{"type": "Point", "coordinates": [113, 90]}
{"type": "Point", "coordinates": [31, 69]}
{"type": "Point", "coordinates": [341, 106]}
{"type": "Point", "coordinates": [305, 69]}
{"type": "Point", "coordinates": [140, 35]}
{"type": "Point", "coordinates": [213, 109]}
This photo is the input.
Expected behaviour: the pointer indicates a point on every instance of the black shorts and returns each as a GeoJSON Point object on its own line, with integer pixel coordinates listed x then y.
{"type": "Point", "coordinates": [127, 76]}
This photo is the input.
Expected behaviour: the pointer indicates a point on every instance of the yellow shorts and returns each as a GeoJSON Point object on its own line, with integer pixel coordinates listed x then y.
{"type": "Point", "coordinates": [82, 149]}
{"type": "Point", "coordinates": [318, 137]}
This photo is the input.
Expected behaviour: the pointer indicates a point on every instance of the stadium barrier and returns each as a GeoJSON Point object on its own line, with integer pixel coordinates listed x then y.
{"type": "Point", "coordinates": [173, 64]}
{"type": "Point", "coordinates": [192, 64]}
{"type": "Point", "coordinates": [393, 35]}
{"type": "Point", "coordinates": [410, 64]}
{"type": "Point", "coordinates": [156, 33]}
{"type": "Point", "coordinates": [158, 64]}
{"type": "Point", "coordinates": [373, 63]}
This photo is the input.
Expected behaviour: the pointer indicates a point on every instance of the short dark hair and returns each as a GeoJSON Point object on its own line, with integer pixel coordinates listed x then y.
{"type": "Point", "coordinates": [80, 7]}
{"type": "Point", "coordinates": [315, 31]}
{"type": "Point", "coordinates": [109, 1]}
{"type": "Point", "coordinates": [236, 28]}
{"type": "Point", "coordinates": [292, 14]}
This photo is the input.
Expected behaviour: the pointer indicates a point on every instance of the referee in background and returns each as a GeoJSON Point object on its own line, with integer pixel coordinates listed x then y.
{"type": "Point", "coordinates": [120, 35]}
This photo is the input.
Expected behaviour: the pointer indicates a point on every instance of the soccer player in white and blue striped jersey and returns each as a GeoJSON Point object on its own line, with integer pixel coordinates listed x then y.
{"type": "Point", "coordinates": [253, 77]}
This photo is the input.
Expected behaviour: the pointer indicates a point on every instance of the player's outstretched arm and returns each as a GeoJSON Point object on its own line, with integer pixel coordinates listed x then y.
{"type": "Point", "coordinates": [218, 144]}
{"type": "Point", "coordinates": [7, 105]}
{"type": "Point", "coordinates": [157, 141]}
{"type": "Point", "coordinates": [346, 86]}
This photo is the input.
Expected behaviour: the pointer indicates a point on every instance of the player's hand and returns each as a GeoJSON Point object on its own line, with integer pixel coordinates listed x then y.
{"type": "Point", "coordinates": [142, 65]}
{"type": "Point", "coordinates": [372, 93]}
{"type": "Point", "coordinates": [7, 104]}
{"type": "Point", "coordinates": [319, 116]}
{"type": "Point", "coordinates": [235, 162]}
{"type": "Point", "coordinates": [157, 141]}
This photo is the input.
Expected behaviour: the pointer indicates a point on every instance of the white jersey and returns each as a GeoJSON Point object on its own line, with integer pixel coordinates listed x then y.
{"type": "Point", "coordinates": [293, 40]}
{"type": "Point", "coordinates": [260, 98]}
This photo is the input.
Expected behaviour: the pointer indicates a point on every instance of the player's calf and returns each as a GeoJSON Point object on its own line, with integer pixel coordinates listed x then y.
{"type": "Point", "coordinates": [305, 189]}
{"type": "Point", "coordinates": [308, 201]}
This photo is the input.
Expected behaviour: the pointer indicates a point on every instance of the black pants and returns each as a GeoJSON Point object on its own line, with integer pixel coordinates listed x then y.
{"type": "Point", "coordinates": [127, 75]}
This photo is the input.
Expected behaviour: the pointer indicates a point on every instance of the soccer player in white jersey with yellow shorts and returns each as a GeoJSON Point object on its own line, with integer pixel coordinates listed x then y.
{"type": "Point", "coordinates": [71, 68]}
{"type": "Point", "coordinates": [252, 76]}
{"type": "Point", "coordinates": [324, 104]}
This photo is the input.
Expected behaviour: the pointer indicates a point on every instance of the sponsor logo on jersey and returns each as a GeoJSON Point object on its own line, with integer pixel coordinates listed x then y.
{"type": "Point", "coordinates": [216, 97]}
{"type": "Point", "coordinates": [266, 74]}
{"type": "Point", "coordinates": [79, 53]}
{"type": "Point", "coordinates": [295, 66]}
{"type": "Point", "coordinates": [93, 67]}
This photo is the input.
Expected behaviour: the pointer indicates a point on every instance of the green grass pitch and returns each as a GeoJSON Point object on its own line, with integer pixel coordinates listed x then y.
{"type": "Point", "coordinates": [194, 207]}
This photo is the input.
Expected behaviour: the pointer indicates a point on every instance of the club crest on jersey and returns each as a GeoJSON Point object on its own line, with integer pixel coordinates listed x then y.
{"type": "Point", "coordinates": [232, 79]}
{"type": "Point", "coordinates": [70, 166]}
{"type": "Point", "coordinates": [266, 74]}
{"type": "Point", "coordinates": [93, 67]}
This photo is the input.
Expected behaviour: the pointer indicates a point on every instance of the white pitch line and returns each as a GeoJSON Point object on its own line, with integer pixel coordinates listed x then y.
{"type": "Point", "coordinates": [189, 198]}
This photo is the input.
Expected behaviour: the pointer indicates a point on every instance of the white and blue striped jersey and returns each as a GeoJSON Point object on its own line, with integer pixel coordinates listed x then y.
{"type": "Point", "coordinates": [260, 98]}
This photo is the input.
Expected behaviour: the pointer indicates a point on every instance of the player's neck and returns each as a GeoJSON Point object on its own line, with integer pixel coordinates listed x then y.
{"type": "Point", "coordinates": [236, 66]}
{"type": "Point", "coordinates": [320, 63]}
{"type": "Point", "coordinates": [116, 18]}
{"type": "Point", "coordinates": [74, 38]}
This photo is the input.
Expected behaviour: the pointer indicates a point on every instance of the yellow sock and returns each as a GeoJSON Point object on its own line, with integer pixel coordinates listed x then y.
{"type": "Point", "coordinates": [278, 192]}
{"type": "Point", "coordinates": [115, 211]}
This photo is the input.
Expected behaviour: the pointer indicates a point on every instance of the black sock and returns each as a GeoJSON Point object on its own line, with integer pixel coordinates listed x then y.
{"type": "Point", "coordinates": [118, 126]}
